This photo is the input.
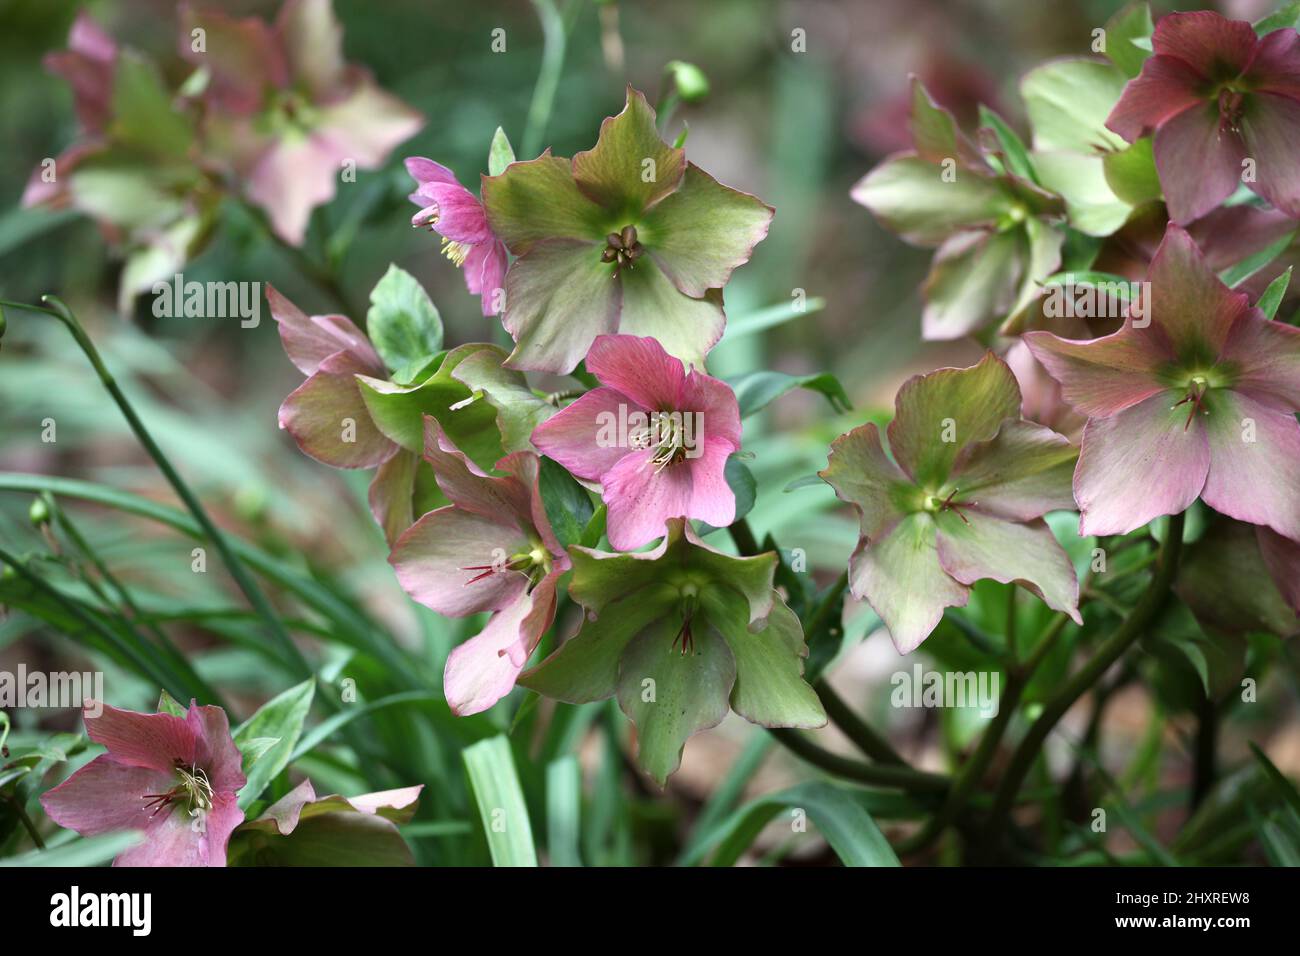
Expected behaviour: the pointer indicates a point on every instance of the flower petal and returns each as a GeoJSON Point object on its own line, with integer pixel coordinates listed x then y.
{"type": "Point", "coordinates": [537, 200]}
{"type": "Point", "coordinates": [215, 751]}
{"type": "Point", "coordinates": [1188, 300]}
{"type": "Point", "coordinates": [155, 741]}
{"type": "Point", "coordinates": [913, 199]}
{"type": "Point", "coordinates": [712, 499]}
{"type": "Point", "coordinates": [972, 281]}
{"type": "Point", "coordinates": [328, 409]}
{"type": "Point", "coordinates": [289, 180]}
{"type": "Point", "coordinates": [308, 341]}
{"type": "Point", "coordinates": [1270, 128]}
{"type": "Point", "coordinates": [613, 173]}
{"type": "Point", "coordinates": [985, 546]}
{"type": "Point", "coordinates": [312, 39]}
{"type": "Point", "coordinates": [425, 170]}
{"type": "Point", "coordinates": [1021, 473]}
{"type": "Point", "coordinates": [1227, 579]}
{"type": "Point", "coordinates": [899, 574]}
{"type": "Point", "coordinates": [1199, 163]}
{"type": "Point", "coordinates": [1265, 356]}
{"type": "Point", "coordinates": [365, 126]}
{"type": "Point", "coordinates": [1100, 377]}
{"type": "Point", "coordinates": [699, 234]}
{"type": "Point", "coordinates": [177, 839]}
{"type": "Point", "coordinates": [105, 795]}
{"type": "Point", "coordinates": [641, 497]}
{"type": "Point", "coordinates": [391, 493]}
{"type": "Point", "coordinates": [460, 216]}
{"type": "Point", "coordinates": [639, 368]}
{"type": "Point", "coordinates": [1254, 462]}
{"type": "Point", "coordinates": [938, 414]}
{"type": "Point", "coordinates": [1282, 556]}
{"type": "Point", "coordinates": [559, 297]}
{"type": "Point", "coordinates": [1166, 87]}
{"type": "Point", "coordinates": [652, 306]}
{"type": "Point", "coordinates": [865, 477]}
{"type": "Point", "coordinates": [574, 435]}
{"type": "Point", "coordinates": [1139, 464]}
{"type": "Point", "coordinates": [1275, 67]}
{"type": "Point", "coordinates": [1218, 48]}
{"type": "Point", "coordinates": [242, 55]}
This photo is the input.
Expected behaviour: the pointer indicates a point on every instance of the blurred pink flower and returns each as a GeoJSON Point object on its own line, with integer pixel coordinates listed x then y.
{"type": "Point", "coordinates": [175, 778]}
{"type": "Point", "coordinates": [656, 437]}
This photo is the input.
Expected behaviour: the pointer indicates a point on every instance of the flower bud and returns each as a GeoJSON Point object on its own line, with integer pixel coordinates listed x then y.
{"type": "Point", "coordinates": [691, 83]}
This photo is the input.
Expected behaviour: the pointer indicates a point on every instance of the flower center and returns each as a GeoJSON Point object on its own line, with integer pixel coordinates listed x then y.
{"type": "Point", "coordinates": [455, 251]}
{"type": "Point", "coordinates": [1197, 385]}
{"type": "Point", "coordinates": [936, 505]}
{"type": "Point", "coordinates": [534, 564]}
{"type": "Point", "coordinates": [666, 435]}
{"type": "Point", "coordinates": [193, 788]}
{"type": "Point", "coordinates": [1231, 107]}
{"type": "Point", "coordinates": [622, 248]}
{"type": "Point", "coordinates": [689, 604]}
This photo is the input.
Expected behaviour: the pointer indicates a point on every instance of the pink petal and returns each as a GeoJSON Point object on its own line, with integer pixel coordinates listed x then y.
{"type": "Point", "coordinates": [155, 741]}
{"type": "Point", "coordinates": [483, 669]}
{"type": "Point", "coordinates": [177, 839]}
{"type": "Point", "coordinates": [865, 477]}
{"type": "Point", "coordinates": [1215, 46]}
{"type": "Point", "coordinates": [215, 750]}
{"type": "Point", "coordinates": [577, 437]}
{"type": "Point", "coordinates": [1270, 129]}
{"type": "Point", "coordinates": [1254, 462]}
{"type": "Point", "coordinates": [437, 557]}
{"type": "Point", "coordinates": [1138, 465]}
{"type": "Point", "coordinates": [391, 492]}
{"type": "Point", "coordinates": [716, 402]}
{"type": "Point", "coordinates": [502, 499]}
{"type": "Point", "coordinates": [1275, 68]}
{"type": "Point", "coordinates": [308, 341]}
{"type": "Point", "coordinates": [427, 171]}
{"type": "Point", "coordinates": [1198, 161]}
{"type": "Point", "coordinates": [105, 795]}
{"type": "Point", "coordinates": [365, 126]}
{"type": "Point", "coordinates": [317, 414]}
{"type": "Point", "coordinates": [87, 66]}
{"type": "Point", "coordinates": [395, 801]}
{"type": "Point", "coordinates": [1282, 556]}
{"type": "Point", "coordinates": [312, 40]}
{"type": "Point", "coordinates": [1265, 356]}
{"type": "Point", "coordinates": [289, 180]}
{"type": "Point", "coordinates": [640, 369]}
{"type": "Point", "coordinates": [1165, 87]}
{"type": "Point", "coordinates": [712, 499]}
{"type": "Point", "coordinates": [640, 499]}
{"type": "Point", "coordinates": [1188, 300]}
{"type": "Point", "coordinates": [286, 811]}
{"type": "Point", "coordinates": [1100, 377]}
{"type": "Point", "coordinates": [459, 213]}
{"type": "Point", "coordinates": [489, 282]}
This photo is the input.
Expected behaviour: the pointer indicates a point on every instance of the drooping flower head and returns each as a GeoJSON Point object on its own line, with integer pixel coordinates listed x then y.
{"type": "Point", "coordinates": [681, 634]}
{"type": "Point", "coordinates": [1215, 95]}
{"type": "Point", "coordinates": [992, 229]}
{"type": "Point", "coordinates": [175, 778]}
{"type": "Point", "coordinates": [1196, 399]}
{"type": "Point", "coordinates": [655, 436]}
{"type": "Point", "coordinates": [455, 213]}
{"type": "Point", "coordinates": [492, 549]}
{"type": "Point", "coordinates": [1238, 578]}
{"type": "Point", "coordinates": [961, 499]}
{"type": "Point", "coordinates": [625, 237]}
{"type": "Point", "coordinates": [286, 110]}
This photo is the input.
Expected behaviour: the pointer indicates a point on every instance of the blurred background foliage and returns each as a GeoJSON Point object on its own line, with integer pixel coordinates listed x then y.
{"type": "Point", "coordinates": [796, 129]}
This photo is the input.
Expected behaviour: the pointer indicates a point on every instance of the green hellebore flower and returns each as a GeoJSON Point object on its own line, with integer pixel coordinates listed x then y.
{"type": "Point", "coordinates": [681, 634]}
{"type": "Point", "coordinates": [626, 237]}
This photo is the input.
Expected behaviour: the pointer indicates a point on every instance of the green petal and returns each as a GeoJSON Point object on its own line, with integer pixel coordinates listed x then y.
{"type": "Point", "coordinates": [910, 197]}
{"type": "Point", "coordinates": [630, 168]}
{"type": "Point", "coordinates": [703, 231]}
{"type": "Point", "coordinates": [972, 282]}
{"type": "Point", "coordinates": [538, 200]}
{"type": "Point", "coordinates": [935, 132]}
{"type": "Point", "coordinates": [770, 689]}
{"type": "Point", "coordinates": [670, 695]}
{"type": "Point", "coordinates": [403, 323]}
{"type": "Point", "coordinates": [585, 667]}
{"type": "Point", "coordinates": [653, 306]}
{"type": "Point", "coordinates": [1068, 102]}
{"type": "Point", "coordinates": [864, 476]}
{"type": "Point", "coordinates": [938, 414]}
{"type": "Point", "coordinates": [559, 297]}
{"type": "Point", "coordinates": [519, 410]}
{"type": "Point", "coordinates": [1021, 473]}
{"type": "Point", "coordinates": [1081, 180]}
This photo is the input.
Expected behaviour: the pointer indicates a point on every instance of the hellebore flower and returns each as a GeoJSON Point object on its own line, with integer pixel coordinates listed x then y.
{"type": "Point", "coordinates": [455, 213]}
{"type": "Point", "coordinates": [492, 549]}
{"type": "Point", "coordinates": [1216, 95]}
{"type": "Point", "coordinates": [626, 237]}
{"type": "Point", "coordinates": [1238, 578]}
{"type": "Point", "coordinates": [962, 499]}
{"type": "Point", "coordinates": [175, 778]}
{"type": "Point", "coordinates": [301, 829]}
{"type": "Point", "coordinates": [655, 436]}
{"type": "Point", "coordinates": [132, 171]}
{"type": "Point", "coordinates": [991, 229]}
{"type": "Point", "coordinates": [286, 111]}
{"type": "Point", "coordinates": [1196, 399]}
{"type": "Point", "coordinates": [680, 634]}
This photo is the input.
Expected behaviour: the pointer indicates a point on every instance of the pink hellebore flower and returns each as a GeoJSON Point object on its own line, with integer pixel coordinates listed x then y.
{"type": "Point", "coordinates": [1199, 400]}
{"type": "Point", "coordinates": [656, 437]}
{"type": "Point", "coordinates": [175, 778]}
{"type": "Point", "coordinates": [492, 549]}
{"type": "Point", "coordinates": [455, 213]}
{"type": "Point", "coordinates": [1215, 94]}
{"type": "Point", "coordinates": [286, 109]}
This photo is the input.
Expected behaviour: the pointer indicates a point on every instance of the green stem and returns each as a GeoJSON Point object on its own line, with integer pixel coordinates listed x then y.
{"type": "Point", "coordinates": [548, 77]}
{"type": "Point", "coordinates": [902, 778]}
{"type": "Point", "coordinates": [1133, 626]}
{"type": "Point", "coordinates": [743, 536]}
{"type": "Point", "coordinates": [243, 579]}
{"type": "Point", "coordinates": [21, 812]}
{"type": "Point", "coordinates": [855, 728]}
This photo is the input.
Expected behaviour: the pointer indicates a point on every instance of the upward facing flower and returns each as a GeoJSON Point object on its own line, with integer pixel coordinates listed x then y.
{"type": "Point", "coordinates": [680, 635]}
{"type": "Point", "coordinates": [452, 211]}
{"type": "Point", "coordinates": [175, 778]}
{"type": "Point", "coordinates": [491, 549]}
{"type": "Point", "coordinates": [626, 237]}
{"type": "Point", "coordinates": [286, 109]}
{"type": "Point", "coordinates": [962, 499]}
{"type": "Point", "coordinates": [1198, 399]}
{"type": "Point", "coordinates": [1215, 94]}
{"type": "Point", "coordinates": [655, 436]}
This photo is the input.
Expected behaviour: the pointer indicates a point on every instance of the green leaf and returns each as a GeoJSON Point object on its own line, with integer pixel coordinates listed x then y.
{"type": "Point", "coordinates": [834, 812]}
{"type": "Point", "coordinates": [1283, 786]}
{"type": "Point", "coordinates": [519, 410]}
{"type": "Point", "coordinates": [89, 851]}
{"type": "Point", "coordinates": [1123, 32]}
{"type": "Point", "coordinates": [563, 810]}
{"type": "Point", "coordinates": [495, 783]}
{"type": "Point", "coordinates": [1286, 16]}
{"type": "Point", "coordinates": [282, 718]}
{"type": "Point", "coordinates": [772, 316]}
{"type": "Point", "coordinates": [1131, 173]}
{"type": "Point", "coordinates": [568, 506]}
{"type": "Point", "coordinates": [403, 322]}
{"type": "Point", "coordinates": [500, 154]}
{"type": "Point", "coordinates": [167, 704]}
{"type": "Point", "coordinates": [1272, 297]}
{"type": "Point", "coordinates": [755, 390]}
{"type": "Point", "coordinates": [1235, 275]}
{"type": "Point", "coordinates": [1013, 149]}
